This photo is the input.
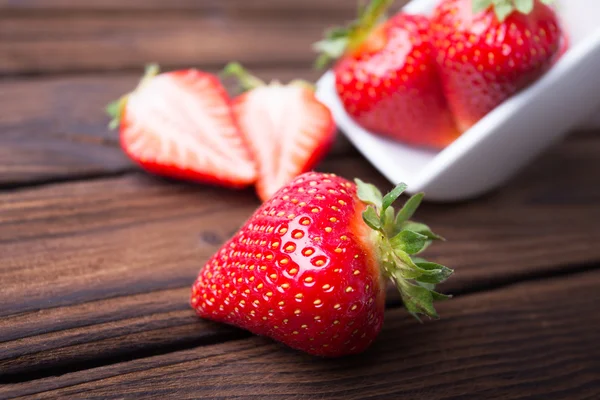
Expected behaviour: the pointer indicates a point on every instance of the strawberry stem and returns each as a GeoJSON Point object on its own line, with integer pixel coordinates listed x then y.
{"type": "Point", "coordinates": [115, 109]}
{"type": "Point", "coordinates": [339, 40]}
{"type": "Point", "coordinates": [246, 80]}
{"type": "Point", "coordinates": [398, 241]}
{"type": "Point", "coordinates": [150, 71]}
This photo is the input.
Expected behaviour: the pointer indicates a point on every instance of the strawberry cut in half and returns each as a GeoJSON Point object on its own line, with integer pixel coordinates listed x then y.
{"type": "Point", "coordinates": [488, 50]}
{"type": "Point", "coordinates": [309, 267]}
{"type": "Point", "coordinates": [287, 128]}
{"type": "Point", "coordinates": [386, 77]}
{"type": "Point", "coordinates": [180, 125]}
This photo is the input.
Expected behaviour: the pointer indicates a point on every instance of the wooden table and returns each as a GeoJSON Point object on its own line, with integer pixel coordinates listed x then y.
{"type": "Point", "coordinates": [97, 258]}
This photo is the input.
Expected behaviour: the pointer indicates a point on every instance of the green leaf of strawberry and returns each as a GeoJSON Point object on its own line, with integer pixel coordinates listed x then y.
{"type": "Point", "coordinates": [369, 194]}
{"type": "Point", "coordinates": [418, 300]}
{"type": "Point", "coordinates": [436, 273]}
{"type": "Point", "coordinates": [409, 208]}
{"type": "Point", "coordinates": [420, 228]}
{"type": "Point", "coordinates": [372, 219]}
{"type": "Point", "coordinates": [409, 242]}
{"type": "Point", "coordinates": [392, 196]}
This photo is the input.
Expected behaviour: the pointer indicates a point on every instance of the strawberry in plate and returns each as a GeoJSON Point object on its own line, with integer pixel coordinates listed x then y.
{"type": "Point", "coordinates": [309, 267]}
{"type": "Point", "coordinates": [179, 124]}
{"type": "Point", "coordinates": [287, 128]}
{"type": "Point", "coordinates": [487, 50]}
{"type": "Point", "coordinates": [386, 77]}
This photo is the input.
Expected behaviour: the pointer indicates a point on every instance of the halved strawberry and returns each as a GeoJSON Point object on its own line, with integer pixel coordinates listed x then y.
{"type": "Point", "coordinates": [287, 128]}
{"type": "Point", "coordinates": [179, 124]}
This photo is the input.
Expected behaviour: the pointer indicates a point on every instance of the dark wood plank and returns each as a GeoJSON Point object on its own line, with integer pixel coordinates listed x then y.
{"type": "Point", "coordinates": [41, 36]}
{"type": "Point", "coordinates": [178, 5]}
{"type": "Point", "coordinates": [38, 43]}
{"type": "Point", "coordinates": [531, 340]}
{"type": "Point", "coordinates": [56, 128]}
{"type": "Point", "coordinates": [68, 249]}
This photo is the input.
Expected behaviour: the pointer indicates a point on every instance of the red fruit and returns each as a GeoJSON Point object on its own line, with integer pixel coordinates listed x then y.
{"type": "Point", "coordinates": [180, 125]}
{"type": "Point", "coordinates": [308, 267]}
{"type": "Point", "coordinates": [388, 82]}
{"type": "Point", "coordinates": [287, 128]}
{"type": "Point", "coordinates": [487, 56]}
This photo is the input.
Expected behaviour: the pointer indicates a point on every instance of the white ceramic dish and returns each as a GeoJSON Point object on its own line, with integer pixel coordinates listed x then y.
{"type": "Point", "coordinates": [508, 137]}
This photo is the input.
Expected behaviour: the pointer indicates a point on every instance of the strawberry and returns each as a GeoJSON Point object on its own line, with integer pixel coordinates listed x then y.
{"type": "Point", "coordinates": [308, 268]}
{"type": "Point", "coordinates": [387, 80]}
{"type": "Point", "coordinates": [287, 128]}
{"type": "Point", "coordinates": [180, 125]}
{"type": "Point", "coordinates": [487, 50]}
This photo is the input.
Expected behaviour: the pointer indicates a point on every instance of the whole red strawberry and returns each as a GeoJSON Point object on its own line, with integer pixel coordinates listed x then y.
{"type": "Point", "coordinates": [387, 78]}
{"type": "Point", "coordinates": [308, 268]}
{"type": "Point", "coordinates": [487, 50]}
{"type": "Point", "coordinates": [180, 124]}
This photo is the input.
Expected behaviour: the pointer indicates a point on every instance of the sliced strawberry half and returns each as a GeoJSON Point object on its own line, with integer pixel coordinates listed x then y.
{"type": "Point", "coordinates": [287, 128]}
{"type": "Point", "coordinates": [180, 125]}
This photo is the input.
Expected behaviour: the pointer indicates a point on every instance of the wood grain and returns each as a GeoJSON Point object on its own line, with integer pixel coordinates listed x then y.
{"type": "Point", "coordinates": [40, 43]}
{"type": "Point", "coordinates": [47, 36]}
{"type": "Point", "coordinates": [73, 6]}
{"type": "Point", "coordinates": [531, 340]}
{"type": "Point", "coordinates": [75, 252]}
{"type": "Point", "coordinates": [56, 128]}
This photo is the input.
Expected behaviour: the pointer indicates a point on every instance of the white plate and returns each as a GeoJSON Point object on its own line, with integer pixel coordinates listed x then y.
{"type": "Point", "coordinates": [509, 136]}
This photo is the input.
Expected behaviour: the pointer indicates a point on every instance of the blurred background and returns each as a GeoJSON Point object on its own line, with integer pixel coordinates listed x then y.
{"type": "Point", "coordinates": [96, 50]}
{"type": "Point", "coordinates": [64, 36]}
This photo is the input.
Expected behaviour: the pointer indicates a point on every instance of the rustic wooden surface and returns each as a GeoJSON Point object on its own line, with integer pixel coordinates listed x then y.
{"type": "Point", "coordinates": [522, 341]}
{"type": "Point", "coordinates": [96, 257]}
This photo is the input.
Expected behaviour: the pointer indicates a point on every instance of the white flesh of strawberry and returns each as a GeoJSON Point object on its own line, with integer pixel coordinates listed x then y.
{"type": "Point", "coordinates": [284, 125]}
{"type": "Point", "coordinates": [185, 121]}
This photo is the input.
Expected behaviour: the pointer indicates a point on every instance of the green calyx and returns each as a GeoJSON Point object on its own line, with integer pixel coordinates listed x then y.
{"type": "Point", "coordinates": [503, 8]}
{"type": "Point", "coordinates": [115, 109]}
{"type": "Point", "coordinates": [399, 240]}
{"type": "Point", "coordinates": [338, 40]}
{"type": "Point", "coordinates": [247, 81]}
